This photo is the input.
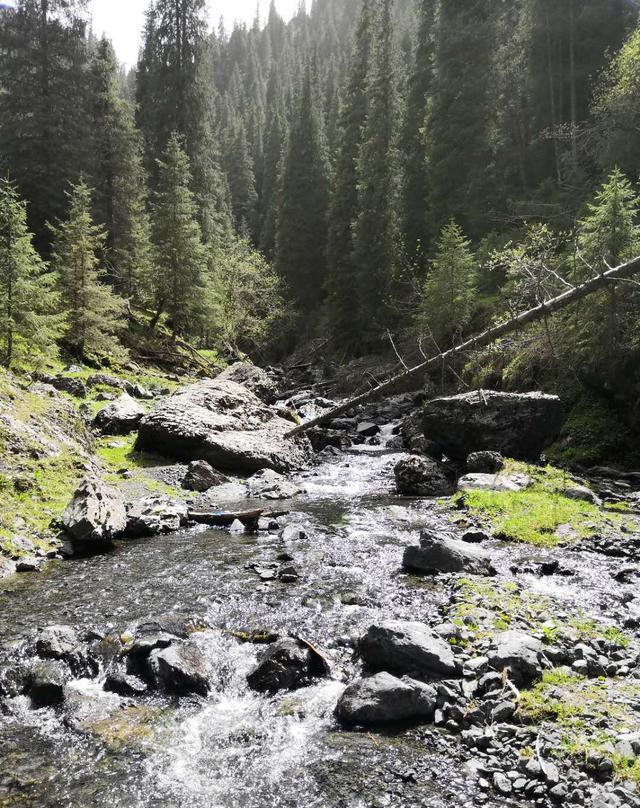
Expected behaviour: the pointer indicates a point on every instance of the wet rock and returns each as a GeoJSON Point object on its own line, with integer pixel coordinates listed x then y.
{"type": "Point", "coordinates": [46, 683]}
{"type": "Point", "coordinates": [255, 379]}
{"type": "Point", "coordinates": [268, 484]}
{"type": "Point", "coordinates": [442, 554]}
{"type": "Point", "coordinates": [29, 564]}
{"type": "Point", "coordinates": [475, 536]}
{"type": "Point", "coordinates": [494, 482]}
{"type": "Point", "coordinates": [384, 699]}
{"type": "Point", "coordinates": [201, 476]}
{"type": "Point", "coordinates": [292, 533]}
{"type": "Point", "coordinates": [485, 463]}
{"type": "Point", "coordinates": [366, 429]}
{"type": "Point", "coordinates": [422, 477]}
{"type": "Point", "coordinates": [95, 515]}
{"type": "Point", "coordinates": [413, 437]}
{"type": "Point", "coordinates": [322, 439]}
{"type": "Point", "coordinates": [406, 647]}
{"type": "Point", "coordinates": [288, 664]}
{"type": "Point", "coordinates": [518, 652]}
{"type": "Point", "coordinates": [225, 424]}
{"type": "Point", "coordinates": [517, 425]}
{"type": "Point", "coordinates": [120, 417]}
{"type": "Point", "coordinates": [180, 669]}
{"type": "Point", "coordinates": [155, 515]}
{"type": "Point", "coordinates": [124, 684]}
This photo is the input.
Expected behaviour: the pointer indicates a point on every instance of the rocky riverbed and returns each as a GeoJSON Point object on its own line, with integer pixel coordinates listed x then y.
{"type": "Point", "coordinates": [313, 661]}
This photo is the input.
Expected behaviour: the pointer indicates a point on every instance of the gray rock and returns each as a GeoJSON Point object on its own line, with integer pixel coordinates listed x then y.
{"type": "Point", "coordinates": [201, 476]}
{"type": "Point", "coordinates": [155, 515]}
{"type": "Point", "coordinates": [95, 515]}
{"type": "Point", "coordinates": [120, 417]}
{"type": "Point", "coordinates": [518, 652]}
{"type": "Point", "coordinates": [518, 425]}
{"type": "Point", "coordinates": [180, 669]}
{"type": "Point", "coordinates": [292, 533]}
{"type": "Point", "coordinates": [268, 484]}
{"type": "Point", "coordinates": [502, 784]}
{"type": "Point", "coordinates": [485, 463]}
{"type": "Point", "coordinates": [582, 493]}
{"type": "Point", "coordinates": [442, 554]}
{"type": "Point", "coordinates": [65, 384]}
{"type": "Point", "coordinates": [366, 429]}
{"type": "Point", "coordinates": [384, 699]}
{"type": "Point", "coordinates": [422, 477]}
{"type": "Point", "coordinates": [406, 647]}
{"type": "Point", "coordinates": [413, 437]}
{"type": "Point", "coordinates": [255, 379]}
{"type": "Point", "coordinates": [287, 664]}
{"type": "Point", "coordinates": [503, 711]}
{"type": "Point", "coordinates": [124, 684]}
{"type": "Point", "coordinates": [46, 683]}
{"type": "Point", "coordinates": [494, 482]}
{"type": "Point", "coordinates": [29, 564]}
{"type": "Point", "coordinates": [225, 424]}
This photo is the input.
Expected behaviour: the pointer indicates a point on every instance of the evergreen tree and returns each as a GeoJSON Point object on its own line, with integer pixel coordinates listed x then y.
{"type": "Point", "coordinates": [376, 225]}
{"type": "Point", "coordinates": [94, 315]}
{"type": "Point", "coordinates": [342, 283]}
{"type": "Point", "coordinates": [302, 215]}
{"type": "Point", "coordinates": [415, 188]}
{"type": "Point", "coordinates": [448, 294]}
{"type": "Point", "coordinates": [275, 139]}
{"type": "Point", "coordinates": [242, 182]}
{"type": "Point", "coordinates": [29, 324]}
{"type": "Point", "coordinates": [180, 288]}
{"type": "Point", "coordinates": [43, 103]}
{"type": "Point", "coordinates": [119, 180]}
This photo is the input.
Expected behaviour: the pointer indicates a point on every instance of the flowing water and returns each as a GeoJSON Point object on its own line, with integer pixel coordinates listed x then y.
{"type": "Point", "coordinates": [239, 749]}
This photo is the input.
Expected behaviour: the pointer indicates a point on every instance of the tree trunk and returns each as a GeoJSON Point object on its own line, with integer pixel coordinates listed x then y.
{"type": "Point", "coordinates": [482, 340]}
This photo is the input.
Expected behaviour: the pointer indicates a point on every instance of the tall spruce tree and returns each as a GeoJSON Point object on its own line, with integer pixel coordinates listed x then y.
{"type": "Point", "coordinates": [275, 139]}
{"type": "Point", "coordinates": [182, 258]}
{"type": "Point", "coordinates": [375, 247]}
{"type": "Point", "coordinates": [119, 180]}
{"type": "Point", "coordinates": [302, 215]}
{"type": "Point", "coordinates": [29, 322]}
{"type": "Point", "coordinates": [43, 103]}
{"type": "Point", "coordinates": [94, 315]}
{"type": "Point", "coordinates": [415, 184]}
{"type": "Point", "coordinates": [342, 303]}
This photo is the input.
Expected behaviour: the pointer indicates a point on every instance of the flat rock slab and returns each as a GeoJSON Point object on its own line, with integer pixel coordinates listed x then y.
{"type": "Point", "coordinates": [441, 554]}
{"type": "Point", "coordinates": [385, 699]}
{"type": "Point", "coordinates": [407, 647]}
{"type": "Point", "coordinates": [224, 423]}
{"type": "Point", "coordinates": [518, 425]}
{"type": "Point", "coordinates": [494, 482]}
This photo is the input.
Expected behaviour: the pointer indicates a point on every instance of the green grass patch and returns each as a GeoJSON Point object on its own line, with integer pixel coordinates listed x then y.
{"type": "Point", "coordinates": [118, 453]}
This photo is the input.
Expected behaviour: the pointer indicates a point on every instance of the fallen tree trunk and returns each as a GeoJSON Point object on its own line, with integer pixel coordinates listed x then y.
{"type": "Point", "coordinates": [534, 315]}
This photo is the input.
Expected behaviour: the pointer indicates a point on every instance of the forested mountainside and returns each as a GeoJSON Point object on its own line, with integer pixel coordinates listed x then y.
{"type": "Point", "coordinates": [367, 169]}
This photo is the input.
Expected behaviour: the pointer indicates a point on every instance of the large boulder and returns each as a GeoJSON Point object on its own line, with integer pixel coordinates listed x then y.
{"type": "Point", "coordinates": [253, 378]}
{"type": "Point", "coordinates": [406, 647]}
{"type": "Point", "coordinates": [120, 417]}
{"type": "Point", "coordinates": [95, 516]}
{"type": "Point", "coordinates": [384, 699]}
{"type": "Point", "coordinates": [287, 664]}
{"type": "Point", "coordinates": [227, 425]}
{"type": "Point", "coordinates": [518, 425]}
{"type": "Point", "coordinates": [180, 669]}
{"type": "Point", "coordinates": [155, 515]}
{"type": "Point", "coordinates": [422, 477]}
{"type": "Point", "coordinates": [518, 653]}
{"type": "Point", "coordinates": [438, 553]}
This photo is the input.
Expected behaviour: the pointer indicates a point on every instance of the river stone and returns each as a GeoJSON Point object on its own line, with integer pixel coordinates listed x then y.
{"type": "Point", "coordinates": [421, 477]}
{"type": "Point", "coordinates": [485, 463]}
{"type": "Point", "coordinates": [384, 699]}
{"type": "Point", "coordinates": [62, 643]}
{"type": "Point", "coordinates": [124, 684]}
{"type": "Point", "coordinates": [180, 669]}
{"type": "Point", "coordinates": [494, 482]}
{"type": "Point", "coordinates": [155, 515]}
{"type": "Point", "coordinates": [225, 424]}
{"type": "Point", "coordinates": [268, 484]}
{"type": "Point", "coordinates": [406, 647]}
{"type": "Point", "coordinates": [287, 664]}
{"type": "Point", "coordinates": [442, 554]}
{"type": "Point", "coordinates": [95, 515]}
{"type": "Point", "coordinates": [201, 476]}
{"type": "Point", "coordinates": [517, 425]}
{"type": "Point", "coordinates": [517, 651]}
{"type": "Point", "coordinates": [255, 379]}
{"type": "Point", "coordinates": [46, 683]}
{"type": "Point", "coordinates": [120, 417]}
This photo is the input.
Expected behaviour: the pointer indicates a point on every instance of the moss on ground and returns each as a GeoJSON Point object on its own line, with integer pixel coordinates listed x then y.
{"type": "Point", "coordinates": [535, 514]}
{"type": "Point", "coordinates": [128, 728]}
